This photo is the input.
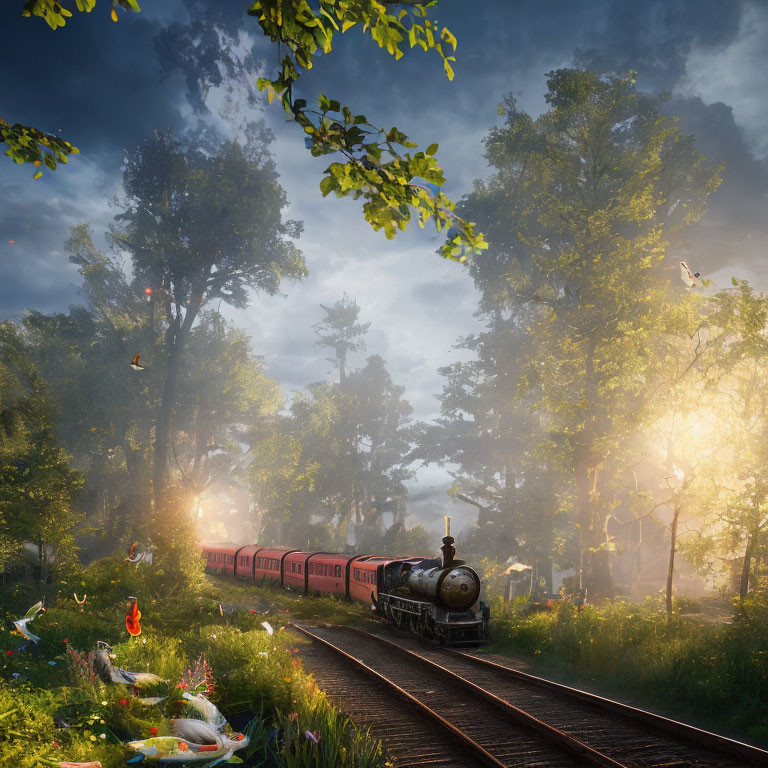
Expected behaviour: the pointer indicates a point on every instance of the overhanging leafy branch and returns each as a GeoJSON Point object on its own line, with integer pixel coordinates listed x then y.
{"type": "Point", "coordinates": [392, 181]}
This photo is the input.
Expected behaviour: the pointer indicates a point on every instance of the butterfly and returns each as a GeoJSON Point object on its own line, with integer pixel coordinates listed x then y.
{"type": "Point", "coordinates": [135, 364]}
{"type": "Point", "coordinates": [132, 619]}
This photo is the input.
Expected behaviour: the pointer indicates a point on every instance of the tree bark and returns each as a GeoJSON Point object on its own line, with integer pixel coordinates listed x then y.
{"type": "Point", "coordinates": [746, 566]}
{"type": "Point", "coordinates": [175, 338]}
{"type": "Point", "coordinates": [671, 567]}
{"type": "Point", "coordinates": [583, 508]}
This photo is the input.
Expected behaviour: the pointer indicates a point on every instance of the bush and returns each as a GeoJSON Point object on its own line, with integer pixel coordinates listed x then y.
{"type": "Point", "coordinates": [715, 673]}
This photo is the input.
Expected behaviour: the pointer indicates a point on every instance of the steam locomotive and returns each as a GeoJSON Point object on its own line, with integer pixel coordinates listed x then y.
{"type": "Point", "coordinates": [437, 599]}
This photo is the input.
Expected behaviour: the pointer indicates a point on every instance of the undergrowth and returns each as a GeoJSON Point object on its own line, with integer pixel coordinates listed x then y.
{"type": "Point", "coordinates": [52, 708]}
{"type": "Point", "coordinates": [714, 674]}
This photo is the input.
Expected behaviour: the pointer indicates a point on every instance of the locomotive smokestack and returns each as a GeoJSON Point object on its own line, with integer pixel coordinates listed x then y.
{"type": "Point", "coordinates": [448, 550]}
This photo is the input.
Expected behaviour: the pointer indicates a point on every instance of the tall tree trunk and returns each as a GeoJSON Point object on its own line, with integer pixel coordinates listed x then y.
{"type": "Point", "coordinates": [747, 565]}
{"type": "Point", "coordinates": [671, 567]}
{"type": "Point", "coordinates": [163, 423]}
{"type": "Point", "coordinates": [583, 508]}
{"type": "Point", "coordinates": [41, 560]}
{"type": "Point", "coordinates": [175, 338]}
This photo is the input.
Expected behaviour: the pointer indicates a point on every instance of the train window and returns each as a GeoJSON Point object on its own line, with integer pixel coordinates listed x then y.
{"type": "Point", "coordinates": [337, 571]}
{"type": "Point", "coordinates": [301, 567]}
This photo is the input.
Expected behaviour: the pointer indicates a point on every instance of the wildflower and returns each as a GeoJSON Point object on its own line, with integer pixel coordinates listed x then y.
{"type": "Point", "coordinates": [287, 679]}
{"type": "Point", "coordinates": [153, 731]}
{"type": "Point", "coordinates": [252, 610]}
{"type": "Point", "coordinates": [124, 702]}
{"type": "Point", "coordinates": [293, 717]}
{"type": "Point", "coordinates": [103, 703]}
{"type": "Point", "coordinates": [102, 735]}
{"type": "Point", "coordinates": [313, 736]}
{"type": "Point", "coordinates": [8, 653]}
{"type": "Point", "coordinates": [55, 744]}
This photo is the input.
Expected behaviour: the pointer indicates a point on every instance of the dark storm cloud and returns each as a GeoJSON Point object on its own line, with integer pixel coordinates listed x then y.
{"type": "Point", "coordinates": [655, 38]}
{"type": "Point", "coordinates": [107, 86]}
{"type": "Point", "coordinates": [95, 81]}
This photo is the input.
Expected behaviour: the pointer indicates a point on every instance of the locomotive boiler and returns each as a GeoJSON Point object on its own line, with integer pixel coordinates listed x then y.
{"type": "Point", "coordinates": [438, 600]}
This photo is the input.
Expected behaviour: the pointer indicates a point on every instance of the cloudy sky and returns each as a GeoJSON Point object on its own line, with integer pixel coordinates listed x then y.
{"type": "Point", "coordinates": [106, 86]}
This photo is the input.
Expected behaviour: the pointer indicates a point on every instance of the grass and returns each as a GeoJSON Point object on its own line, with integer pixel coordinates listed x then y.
{"type": "Point", "coordinates": [712, 674]}
{"type": "Point", "coordinates": [51, 708]}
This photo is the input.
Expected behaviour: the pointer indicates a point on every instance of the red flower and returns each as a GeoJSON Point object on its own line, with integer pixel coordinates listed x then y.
{"type": "Point", "coordinates": [8, 653]}
{"type": "Point", "coordinates": [64, 640]}
{"type": "Point", "coordinates": [153, 731]}
{"type": "Point", "coordinates": [252, 610]}
{"type": "Point", "coordinates": [54, 743]}
{"type": "Point", "coordinates": [124, 702]}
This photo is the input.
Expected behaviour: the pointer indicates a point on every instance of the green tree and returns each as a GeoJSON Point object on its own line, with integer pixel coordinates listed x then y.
{"type": "Point", "coordinates": [201, 227]}
{"type": "Point", "coordinates": [584, 199]}
{"type": "Point", "coordinates": [224, 397]}
{"type": "Point", "coordinates": [37, 483]}
{"type": "Point", "coordinates": [340, 331]}
{"type": "Point", "coordinates": [487, 436]}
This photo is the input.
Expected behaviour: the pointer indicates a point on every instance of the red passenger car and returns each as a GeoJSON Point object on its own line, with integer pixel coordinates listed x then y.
{"type": "Point", "coordinates": [328, 573]}
{"type": "Point", "coordinates": [269, 564]}
{"type": "Point", "coordinates": [246, 561]}
{"type": "Point", "coordinates": [365, 578]}
{"type": "Point", "coordinates": [295, 571]}
{"type": "Point", "coordinates": [220, 557]}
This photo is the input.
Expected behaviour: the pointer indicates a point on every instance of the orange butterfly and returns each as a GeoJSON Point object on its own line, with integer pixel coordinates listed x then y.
{"type": "Point", "coordinates": [132, 620]}
{"type": "Point", "coordinates": [135, 364]}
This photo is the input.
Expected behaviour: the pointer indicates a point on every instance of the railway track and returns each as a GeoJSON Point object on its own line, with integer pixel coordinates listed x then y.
{"type": "Point", "coordinates": [438, 708]}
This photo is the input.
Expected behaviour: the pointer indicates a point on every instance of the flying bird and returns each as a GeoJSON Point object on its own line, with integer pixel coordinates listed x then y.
{"type": "Point", "coordinates": [688, 277]}
{"type": "Point", "coordinates": [109, 673]}
{"type": "Point", "coordinates": [135, 364]}
{"type": "Point", "coordinates": [21, 624]}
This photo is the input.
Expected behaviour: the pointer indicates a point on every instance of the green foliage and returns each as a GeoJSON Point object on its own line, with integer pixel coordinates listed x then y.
{"type": "Point", "coordinates": [37, 483]}
{"type": "Point", "coordinates": [29, 145]}
{"type": "Point", "coordinates": [710, 671]}
{"type": "Point", "coordinates": [255, 675]}
{"type": "Point", "coordinates": [373, 166]}
{"type": "Point", "coordinates": [340, 455]}
{"type": "Point", "coordinates": [56, 15]}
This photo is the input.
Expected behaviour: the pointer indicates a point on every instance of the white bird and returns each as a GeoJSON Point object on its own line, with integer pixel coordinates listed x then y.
{"type": "Point", "coordinates": [30, 615]}
{"type": "Point", "coordinates": [688, 277]}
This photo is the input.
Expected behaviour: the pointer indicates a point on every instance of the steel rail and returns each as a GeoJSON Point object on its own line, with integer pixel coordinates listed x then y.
{"type": "Point", "coordinates": [553, 735]}
{"type": "Point", "coordinates": [730, 746]}
{"type": "Point", "coordinates": [483, 754]}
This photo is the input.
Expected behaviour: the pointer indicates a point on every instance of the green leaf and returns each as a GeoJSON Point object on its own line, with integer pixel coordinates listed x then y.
{"type": "Point", "coordinates": [431, 149]}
